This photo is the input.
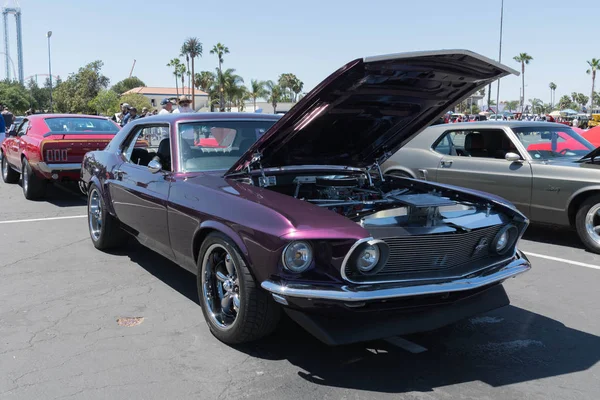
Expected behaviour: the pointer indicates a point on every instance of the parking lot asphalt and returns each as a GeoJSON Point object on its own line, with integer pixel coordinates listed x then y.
{"type": "Point", "coordinates": [60, 300]}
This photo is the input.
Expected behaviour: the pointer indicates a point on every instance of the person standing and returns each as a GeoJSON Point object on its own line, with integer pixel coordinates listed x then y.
{"type": "Point", "coordinates": [183, 105]}
{"type": "Point", "coordinates": [167, 106]}
{"type": "Point", "coordinates": [9, 118]}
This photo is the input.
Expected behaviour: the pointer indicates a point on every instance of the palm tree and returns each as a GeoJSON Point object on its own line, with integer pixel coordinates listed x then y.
{"type": "Point", "coordinates": [257, 89]}
{"type": "Point", "coordinates": [552, 87]}
{"type": "Point", "coordinates": [594, 66]}
{"type": "Point", "coordinates": [183, 53]}
{"type": "Point", "coordinates": [220, 50]}
{"type": "Point", "coordinates": [181, 73]}
{"type": "Point", "coordinates": [192, 47]}
{"type": "Point", "coordinates": [523, 58]}
{"type": "Point", "coordinates": [274, 93]}
{"type": "Point", "coordinates": [232, 85]}
{"type": "Point", "coordinates": [205, 81]}
{"type": "Point", "coordinates": [175, 63]}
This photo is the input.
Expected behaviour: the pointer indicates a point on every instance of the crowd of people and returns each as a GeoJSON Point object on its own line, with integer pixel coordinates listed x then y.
{"type": "Point", "coordinates": [7, 120]}
{"type": "Point", "coordinates": [129, 113]}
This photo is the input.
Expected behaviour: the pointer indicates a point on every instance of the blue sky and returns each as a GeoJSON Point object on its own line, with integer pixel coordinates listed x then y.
{"type": "Point", "coordinates": [310, 38]}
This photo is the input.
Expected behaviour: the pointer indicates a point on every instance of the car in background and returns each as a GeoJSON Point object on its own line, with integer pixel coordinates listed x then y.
{"type": "Point", "coordinates": [547, 170]}
{"type": "Point", "coordinates": [293, 214]}
{"type": "Point", "coordinates": [50, 147]}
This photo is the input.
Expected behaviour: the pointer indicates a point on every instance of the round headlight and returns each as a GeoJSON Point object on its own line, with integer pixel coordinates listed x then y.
{"type": "Point", "coordinates": [297, 256]}
{"type": "Point", "coordinates": [502, 242]}
{"type": "Point", "coordinates": [504, 239]}
{"type": "Point", "coordinates": [368, 258]}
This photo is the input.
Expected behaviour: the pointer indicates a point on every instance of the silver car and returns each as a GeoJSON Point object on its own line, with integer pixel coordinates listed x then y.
{"type": "Point", "coordinates": [548, 171]}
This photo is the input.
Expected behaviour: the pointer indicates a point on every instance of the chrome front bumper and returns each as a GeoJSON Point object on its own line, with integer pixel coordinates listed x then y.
{"type": "Point", "coordinates": [49, 168]}
{"type": "Point", "coordinates": [363, 293]}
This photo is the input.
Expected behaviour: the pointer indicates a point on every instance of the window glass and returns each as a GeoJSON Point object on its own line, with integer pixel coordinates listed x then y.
{"type": "Point", "coordinates": [484, 143]}
{"type": "Point", "coordinates": [23, 128]}
{"type": "Point", "coordinates": [80, 125]}
{"type": "Point", "coordinates": [544, 142]}
{"type": "Point", "coordinates": [216, 145]}
{"type": "Point", "coordinates": [138, 150]}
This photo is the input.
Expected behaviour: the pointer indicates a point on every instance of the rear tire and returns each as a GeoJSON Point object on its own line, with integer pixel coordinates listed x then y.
{"type": "Point", "coordinates": [251, 313]}
{"type": "Point", "coordinates": [9, 175]}
{"type": "Point", "coordinates": [33, 187]}
{"type": "Point", "coordinates": [105, 231]}
{"type": "Point", "coordinates": [587, 223]}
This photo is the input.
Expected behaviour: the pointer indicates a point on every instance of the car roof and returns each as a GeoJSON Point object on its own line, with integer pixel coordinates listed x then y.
{"type": "Point", "coordinates": [44, 116]}
{"type": "Point", "coordinates": [175, 117]}
{"type": "Point", "coordinates": [498, 124]}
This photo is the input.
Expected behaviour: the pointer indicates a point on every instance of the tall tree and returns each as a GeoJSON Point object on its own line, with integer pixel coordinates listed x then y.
{"type": "Point", "coordinates": [106, 102]}
{"type": "Point", "coordinates": [274, 94]}
{"type": "Point", "coordinates": [232, 85]}
{"type": "Point", "coordinates": [257, 89]}
{"type": "Point", "coordinates": [594, 66]}
{"type": "Point", "coordinates": [220, 50]}
{"type": "Point", "coordinates": [552, 87]}
{"type": "Point", "coordinates": [582, 100]}
{"type": "Point", "coordinates": [524, 59]}
{"type": "Point", "coordinates": [175, 64]}
{"type": "Point", "coordinates": [127, 84]}
{"type": "Point", "coordinates": [205, 81]}
{"type": "Point", "coordinates": [192, 47]}
{"type": "Point", "coordinates": [75, 93]}
{"type": "Point", "coordinates": [512, 105]}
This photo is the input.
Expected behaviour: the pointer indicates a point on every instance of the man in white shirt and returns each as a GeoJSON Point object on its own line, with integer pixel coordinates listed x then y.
{"type": "Point", "coordinates": [167, 106]}
{"type": "Point", "coordinates": [575, 123]}
{"type": "Point", "coordinates": [183, 105]}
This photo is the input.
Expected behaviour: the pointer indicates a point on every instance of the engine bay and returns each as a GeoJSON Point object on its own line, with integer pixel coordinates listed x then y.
{"type": "Point", "coordinates": [381, 203]}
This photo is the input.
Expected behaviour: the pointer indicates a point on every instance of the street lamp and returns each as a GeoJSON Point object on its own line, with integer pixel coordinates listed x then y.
{"type": "Point", "coordinates": [500, 56]}
{"type": "Point", "coordinates": [48, 35]}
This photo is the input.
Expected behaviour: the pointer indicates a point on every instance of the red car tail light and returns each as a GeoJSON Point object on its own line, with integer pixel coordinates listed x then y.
{"type": "Point", "coordinates": [56, 155]}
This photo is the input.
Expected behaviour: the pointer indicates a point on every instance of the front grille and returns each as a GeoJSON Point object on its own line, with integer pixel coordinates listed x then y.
{"type": "Point", "coordinates": [424, 256]}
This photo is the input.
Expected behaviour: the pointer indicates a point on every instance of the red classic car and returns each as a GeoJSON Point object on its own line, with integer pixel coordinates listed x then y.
{"type": "Point", "coordinates": [50, 147]}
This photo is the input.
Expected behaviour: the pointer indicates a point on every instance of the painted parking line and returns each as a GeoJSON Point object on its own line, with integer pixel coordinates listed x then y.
{"type": "Point", "coordinates": [16, 221]}
{"type": "Point", "coordinates": [563, 260]}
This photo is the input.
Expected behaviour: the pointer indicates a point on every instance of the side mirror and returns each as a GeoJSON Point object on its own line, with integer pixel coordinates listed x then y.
{"type": "Point", "coordinates": [512, 157]}
{"type": "Point", "coordinates": [154, 166]}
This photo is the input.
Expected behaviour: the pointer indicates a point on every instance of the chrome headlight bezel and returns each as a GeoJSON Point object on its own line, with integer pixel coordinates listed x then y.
{"type": "Point", "coordinates": [307, 262]}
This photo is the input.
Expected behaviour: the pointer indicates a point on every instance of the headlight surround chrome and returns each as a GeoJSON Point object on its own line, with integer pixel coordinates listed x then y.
{"type": "Point", "coordinates": [505, 239]}
{"type": "Point", "coordinates": [297, 256]}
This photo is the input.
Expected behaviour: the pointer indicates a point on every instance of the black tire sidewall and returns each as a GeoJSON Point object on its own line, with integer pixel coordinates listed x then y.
{"type": "Point", "coordinates": [580, 223]}
{"type": "Point", "coordinates": [236, 331]}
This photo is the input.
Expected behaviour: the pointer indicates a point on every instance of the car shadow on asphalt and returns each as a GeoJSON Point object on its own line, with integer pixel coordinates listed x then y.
{"type": "Point", "coordinates": [63, 195]}
{"type": "Point", "coordinates": [506, 346]}
{"type": "Point", "coordinates": [553, 235]}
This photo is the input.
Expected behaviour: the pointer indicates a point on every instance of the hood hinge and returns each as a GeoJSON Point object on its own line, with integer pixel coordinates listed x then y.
{"type": "Point", "coordinates": [263, 180]}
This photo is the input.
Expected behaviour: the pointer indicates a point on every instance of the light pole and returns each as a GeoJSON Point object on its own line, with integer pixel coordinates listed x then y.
{"type": "Point", "coordinates": [499, 58]}
{"type": "Point", "coordinates": [48, 35]}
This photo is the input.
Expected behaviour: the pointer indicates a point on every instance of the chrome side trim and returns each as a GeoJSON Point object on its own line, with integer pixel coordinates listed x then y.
{"type": "Point", "coordinates": [58, 167]}
{"type": "Point", "coordinates": [377, 292]}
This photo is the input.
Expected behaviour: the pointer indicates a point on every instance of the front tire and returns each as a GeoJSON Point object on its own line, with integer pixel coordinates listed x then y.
{"type": "Point", "coordinates": [587, 222]}
{"type": "Point", "coordinates": [105, 231]}
{"type": "Point", "coordinates": [9, 175]}
{"type": "Point", "coordinates": [33, 187]}
{"type": "Point", "coordinates": [235, 308]}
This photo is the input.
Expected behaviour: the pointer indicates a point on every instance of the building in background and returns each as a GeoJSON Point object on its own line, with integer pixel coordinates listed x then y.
{"type": "Point", "coordinates": [156, 94]}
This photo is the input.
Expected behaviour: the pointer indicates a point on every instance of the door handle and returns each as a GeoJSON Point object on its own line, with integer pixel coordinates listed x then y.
{"type": "Point", "coordinates": [446, 164]}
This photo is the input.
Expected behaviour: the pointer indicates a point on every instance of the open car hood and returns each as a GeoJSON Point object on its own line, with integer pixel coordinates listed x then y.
{"type": "Point", "coordinates": [592, 154]}
{"type": "Point", "coordinates": [371, 107]}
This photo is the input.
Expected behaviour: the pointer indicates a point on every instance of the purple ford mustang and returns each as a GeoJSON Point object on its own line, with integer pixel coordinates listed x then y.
{"type": "Point", "coordinates": [293, 214]}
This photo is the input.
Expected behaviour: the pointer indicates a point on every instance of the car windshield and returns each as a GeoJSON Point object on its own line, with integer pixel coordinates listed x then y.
{"type": "Point", "coordinates": [80, 125]}
{"type": "Point", "coordinates": [217, 145]}
{"type": "Point", "coordinates": [544, 142]}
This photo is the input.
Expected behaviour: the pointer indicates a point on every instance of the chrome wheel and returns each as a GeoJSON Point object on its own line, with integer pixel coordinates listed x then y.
{"type": "Point", "coordinates": [220, 286]}
{"type": "Point", "coordinates": [592, 223]}
{"type": "Point", "coordinates": [95, 214]}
